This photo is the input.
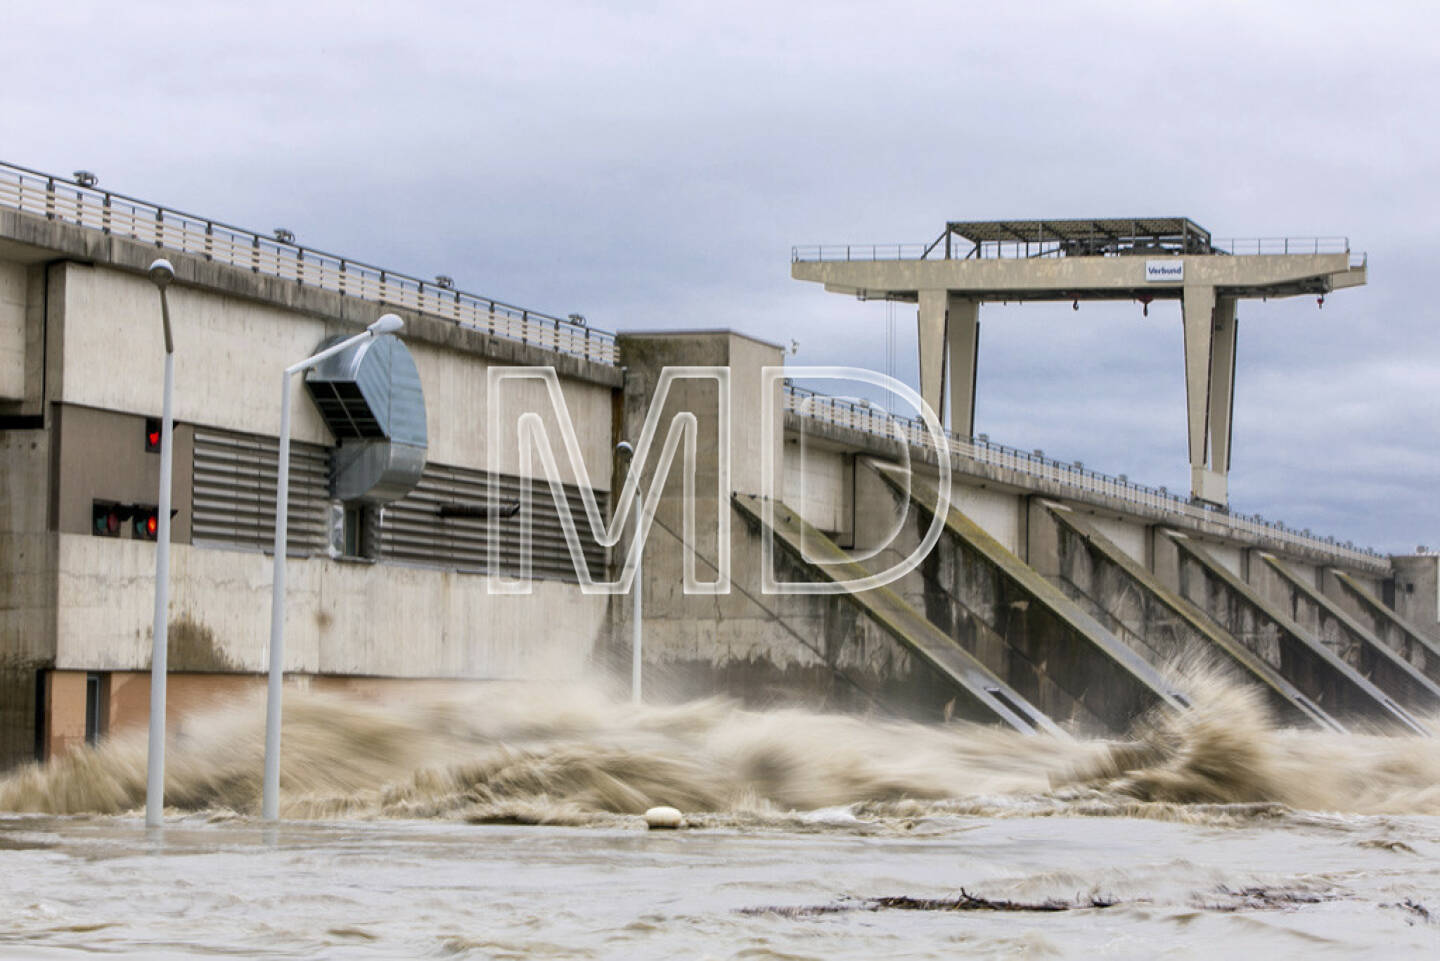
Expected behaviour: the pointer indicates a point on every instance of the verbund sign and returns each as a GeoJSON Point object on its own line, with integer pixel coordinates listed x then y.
{"type": "Point", "coordinates": [1164, 271]}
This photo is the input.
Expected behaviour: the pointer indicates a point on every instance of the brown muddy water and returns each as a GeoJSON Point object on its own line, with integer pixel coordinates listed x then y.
{"type": "Point", "coordinates": [506, 825]}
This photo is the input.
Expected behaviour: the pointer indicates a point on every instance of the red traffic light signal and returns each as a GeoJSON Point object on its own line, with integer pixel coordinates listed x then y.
{"type": "Point", "coordinates": [152, 435]}
{"type": "Point", "coordinates": [145, 522]}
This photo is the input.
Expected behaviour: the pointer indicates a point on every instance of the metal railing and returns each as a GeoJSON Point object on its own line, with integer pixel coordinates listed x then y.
{"type": "Point", "coordinates": [870, 418]}
{"type": "Point", "coordinates": [1023, 250]}
{"type": "Point", "coordinates": [69, 201]}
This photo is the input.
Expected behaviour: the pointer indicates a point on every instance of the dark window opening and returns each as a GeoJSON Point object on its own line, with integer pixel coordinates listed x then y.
{"type": "Point", "coordinates": [360, 527]}
{"type": "Point", "coordinates": [97, 707]}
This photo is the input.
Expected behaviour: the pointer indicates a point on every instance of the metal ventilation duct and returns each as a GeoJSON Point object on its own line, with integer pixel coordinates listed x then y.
{"type": "Point", "coordinates": [371, 399]}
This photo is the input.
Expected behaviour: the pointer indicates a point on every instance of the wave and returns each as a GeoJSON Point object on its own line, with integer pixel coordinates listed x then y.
{"type": "Point", "coordinates": [532, 754]}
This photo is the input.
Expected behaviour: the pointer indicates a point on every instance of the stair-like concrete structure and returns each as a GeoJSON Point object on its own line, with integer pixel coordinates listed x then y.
{"type": "Point", "coordinates": [1355, 645]}
{"type": "Point", "coordinates": [1395, 632]}
{"type": "Point", "coordinates": [1024, 628]}
{"type": "Point", "coordinates": [1300, 656]}
{"type": "Point", "coordinates": [1159, 624]}
{"type": "Point", "coordinates": [979, 693]}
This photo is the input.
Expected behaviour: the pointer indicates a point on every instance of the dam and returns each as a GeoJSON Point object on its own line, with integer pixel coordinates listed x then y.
{"type": "Point", "coordinates": [1008, 588]}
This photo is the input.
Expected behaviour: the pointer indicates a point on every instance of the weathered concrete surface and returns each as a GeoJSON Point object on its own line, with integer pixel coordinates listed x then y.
{"type": "Point", "coordinates": [977, 690]}
{"type": "Point", "coordinates": [1301, 657]}
{"type": "Point", "coordinates": [1417, 590]}
{"type": "Point", "coordinates": [1157, 623]}
{"type": "Point", "coordinates": [355, 618]}
{"type": "Point", "coordinates": [820, 652]}
{"type": "Point", "coordinates": [27, 588]}
{"type": "Point", "coordinates": [1357, 646]}
{"type": "Point", "coordinates": [1396, 632]}
{"type": "Point", "coordinates": [104, 308]}
{"type": "Point", "coordinates": [13, 302]}
{"type": "Point", "coordinates": [1063, 278]}
{"type": "Point", "coordinates": [1021, 626]}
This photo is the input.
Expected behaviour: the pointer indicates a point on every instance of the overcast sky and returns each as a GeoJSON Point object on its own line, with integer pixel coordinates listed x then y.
{"type": "Point", "coordinates": [651, 164]}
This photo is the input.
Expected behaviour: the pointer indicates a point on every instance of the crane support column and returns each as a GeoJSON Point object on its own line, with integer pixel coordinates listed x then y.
{"type": "Point", "coordinates": [963, 332]}
{"type": "Point", "coordinates": [933, 304]}
{"type": "Point", "coordinates": [1209, 388]}
{"type": "Point", "coordinates": [949, 329]}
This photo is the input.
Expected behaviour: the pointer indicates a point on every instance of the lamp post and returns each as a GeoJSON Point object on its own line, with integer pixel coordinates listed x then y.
{"type": "Point", "coordinates": [627, 452]}
{"type": "Point", "coordinates": [270, 790]}
{"type": "Point", "coordinates": [161, 273]}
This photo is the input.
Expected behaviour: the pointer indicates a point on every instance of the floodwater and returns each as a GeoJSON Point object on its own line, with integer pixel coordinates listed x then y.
{"type": "Point", "coordinates": [507, 825]}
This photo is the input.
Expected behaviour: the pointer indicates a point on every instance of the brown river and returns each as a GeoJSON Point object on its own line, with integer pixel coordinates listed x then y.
{"type": "Point", "coordinates": [506, 824]}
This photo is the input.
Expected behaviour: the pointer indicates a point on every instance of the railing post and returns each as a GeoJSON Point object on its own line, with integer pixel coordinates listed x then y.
{"type": "Point", "coordinates": [159, 227]}
{"type": "Point", "coordinates": [255, 255]}
{"type": "Point", "coordinates": [50, 198]}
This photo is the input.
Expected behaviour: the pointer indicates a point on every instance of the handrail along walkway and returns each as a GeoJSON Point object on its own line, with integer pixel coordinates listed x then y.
{"type": "Point", "coordinates": [70, 201]}
{"type": "Point", "coordinates": [873, 419]}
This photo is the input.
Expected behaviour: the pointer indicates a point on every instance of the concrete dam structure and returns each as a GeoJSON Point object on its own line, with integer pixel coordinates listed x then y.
{"type": "Point", "coordinates": [1003, 587]}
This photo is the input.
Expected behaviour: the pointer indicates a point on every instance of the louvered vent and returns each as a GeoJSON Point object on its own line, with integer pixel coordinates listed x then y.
{"type": "Point", "coordinates": [444, 522]}
{"type": "Point", "coordinates": [234, 492]}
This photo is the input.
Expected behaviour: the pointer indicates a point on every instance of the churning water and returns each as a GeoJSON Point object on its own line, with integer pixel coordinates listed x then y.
{"type": "Point", "coordinates": [506, 824]}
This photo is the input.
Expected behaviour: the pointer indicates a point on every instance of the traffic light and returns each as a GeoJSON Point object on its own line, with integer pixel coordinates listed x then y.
{"type": "Point", "coordinates": [152, 435]}
{"type": "Point", "coordinates": [145, 521]}
{"type": "Point", "coordinates": [107, 517]}
{"type": "Point", "coordinates": [145, 524]}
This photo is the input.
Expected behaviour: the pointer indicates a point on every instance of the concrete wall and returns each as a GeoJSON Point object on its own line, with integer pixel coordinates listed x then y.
{"type": "Point", "coordinates": [13, 284]}
{"type": "Point", "coordinates": [997, 512]}
{"type": "Point", "coordinates": [229, 354]}
{"type": "Point", "coordinates": [342, 618]}
{"type": "Point", "coordinates": [27, 586]}
{"type": "Point", "coordinates": [819, 486]}
{"type": "Point", "coordinates": [81, 367]}
{"type": "Point", "coordinates": [1130, 536]}
{"type": "Point", "coordinates": [1417, 591]}
{"type": "Point", "coordinates": [816, 651]}
{"type": "Point", "coordinates": [101, 456]}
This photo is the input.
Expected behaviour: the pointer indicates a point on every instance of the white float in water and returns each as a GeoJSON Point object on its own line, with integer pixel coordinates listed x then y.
{"type": "Point", "coordinates": [664, 816]}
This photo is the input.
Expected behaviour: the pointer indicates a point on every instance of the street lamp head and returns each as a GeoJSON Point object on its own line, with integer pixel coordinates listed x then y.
{"type": "Point", "coordinates": [624, 449]}
{"type": "Point", "coordinates": [161, 273]}
{"type": "Point", "coordinates": [387, 324]}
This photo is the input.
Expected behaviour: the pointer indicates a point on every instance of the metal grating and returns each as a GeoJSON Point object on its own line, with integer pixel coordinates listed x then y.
{"type": "Point", "coordinates": [438, 524]}
{"type": "Point", "coordinates": [441, 523]}
{"type": "Point", "coordinates": [234, 492]}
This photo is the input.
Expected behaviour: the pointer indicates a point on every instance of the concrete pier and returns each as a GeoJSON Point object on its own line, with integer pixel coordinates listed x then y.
{"type": "Point", "coordinates": [978, 693]}
{"type": "Point", "coordinates": [1157, 623]}
{"type": "Point", "coordinates": [1301, 657]}
{"type": "Point", "coordinates": [1396, 632]}
{"type": "Point", "coordinates": [1344, 635]}
{"type": "Point", "coordinates": [1024, 628]}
